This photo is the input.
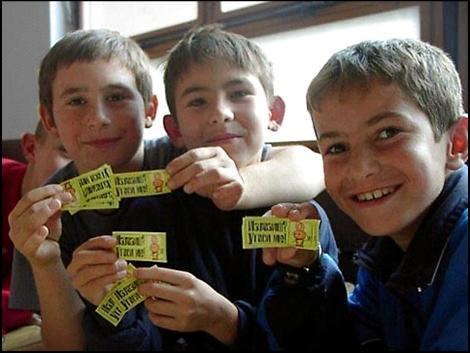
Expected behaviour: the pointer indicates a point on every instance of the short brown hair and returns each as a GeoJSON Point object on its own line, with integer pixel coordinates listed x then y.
{"type": "Point", "coordinates": [91, 45]}
{"type": "Point", "coordinates": [424, 73]}
{"type": "Point", "coordinates": [208, 43]}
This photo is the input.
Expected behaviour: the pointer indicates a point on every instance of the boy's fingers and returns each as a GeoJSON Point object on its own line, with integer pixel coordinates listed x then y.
{"type": "Point", "coordinates": [84, 258]}
{"type": "Point", "coordinates": [286, 254]}
{"type": "Point", "coordinates": [188, 158]}
{"type": "Point", "coordinates": [167, 275]}
{"type": "Point", "coordinates": [22, 226]}
{"type": "Point", "coordinates": [32, 197]}
{"type": "Point", "coordinates": [282, 210]}
{"type": "Point", "coordinates": [213, 177]}
{"type": "Point", "coordinates": [90, 273]}
{"type": "Point", "coordinates": [269, 256]}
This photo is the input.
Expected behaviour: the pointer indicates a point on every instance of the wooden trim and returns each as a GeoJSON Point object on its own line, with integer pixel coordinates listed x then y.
{"type": "Point", "coordinates": [462, 55]}
{"type": "Point", "coordinates": [268, 18]}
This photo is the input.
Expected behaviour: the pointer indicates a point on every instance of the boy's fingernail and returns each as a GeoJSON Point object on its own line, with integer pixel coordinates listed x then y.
{"type": "Point", "coordinates": [121, 274]}
{"type": "Point", "coordinates": [121, 264]}
{"type": "Point", "coordinates": [54, 204]}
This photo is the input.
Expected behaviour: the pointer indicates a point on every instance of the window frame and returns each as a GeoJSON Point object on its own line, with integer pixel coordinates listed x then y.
{"type": "Point", "coordinates": [280, 16]}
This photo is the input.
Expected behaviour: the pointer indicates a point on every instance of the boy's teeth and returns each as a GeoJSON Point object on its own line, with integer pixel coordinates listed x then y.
{"type": "Point", "coordinates": [376, 194]}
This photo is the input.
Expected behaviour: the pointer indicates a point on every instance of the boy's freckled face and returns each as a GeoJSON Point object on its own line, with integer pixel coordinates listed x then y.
{"type": "Point", "coordinates": [382, 165]}
{"type": "Point", "coordinates": [219, 105]}
{"type": "Point", "coordinates": [99, 114]}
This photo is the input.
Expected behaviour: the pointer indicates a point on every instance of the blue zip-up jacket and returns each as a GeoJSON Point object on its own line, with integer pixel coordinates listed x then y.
{"type": "Point", "coordinates": [418, 299]}
{"type": "Point", "coordinates": [318, 290]}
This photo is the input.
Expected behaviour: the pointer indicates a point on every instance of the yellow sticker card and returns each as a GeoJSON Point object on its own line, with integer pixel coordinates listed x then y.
{"type": "Point", "coordinates": [141, 246]}
{"type": "Point", "coordinates": [122, 297]}
{"type": "Point", "coordinates": [145, 183]}
{"type": "Point", "coordinates": [273, 232]}
{"type": "Point", "coordinates": [95, 189]}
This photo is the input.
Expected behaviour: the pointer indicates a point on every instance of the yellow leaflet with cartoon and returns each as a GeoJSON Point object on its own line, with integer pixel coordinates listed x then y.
{"type": "Point", "coordinates": [141, 246]}
{"type": "Point", "coordinates": [92, 190]}
{"type": "Point", "coordinates": [102, 189]}
{"type": "Point", "coordinates": [122, 297]}
{"type": "Point", "coordinates": [145, 183]}
{"type": "Point", "coordinates": [273, 232]}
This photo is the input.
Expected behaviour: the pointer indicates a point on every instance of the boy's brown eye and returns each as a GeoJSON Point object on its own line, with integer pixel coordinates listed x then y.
{"type": "Point", "coordinates": [336, 149]}
{"type": "Point", "coordinates": [388, 133]}
{"type": "Point", "coordinates": [196, 102]}
{"type": "Point", "coordinates": [76, 101]}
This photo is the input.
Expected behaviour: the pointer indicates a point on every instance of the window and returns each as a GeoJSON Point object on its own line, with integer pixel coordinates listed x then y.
{"type": "Point", "coordinates": [135, 17]}
{"type": "Point", "coordinates": [298, 37]}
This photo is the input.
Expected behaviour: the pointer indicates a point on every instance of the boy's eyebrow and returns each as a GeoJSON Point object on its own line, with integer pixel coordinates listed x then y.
{"type": "Point", "coordinates": [381, 116]}
{"type": "Point", "coordinates": [74, 90]}
{"type": "Point", "coordinates": [237, 81]}
{"type": "Point", "coordinates": [192, 89]}
{"type": "Point", "coordinates": [233, 82]}
{"type": "Point", "coordinates": [372, 121]}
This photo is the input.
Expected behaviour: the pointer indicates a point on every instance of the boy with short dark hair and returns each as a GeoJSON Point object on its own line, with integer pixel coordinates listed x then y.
{"type": "Point", "coordinates": [394, 140]}
{"type": "Point", "coordinates": [205, 296]}
{"type": "Point", "coordinates": [96, 95]}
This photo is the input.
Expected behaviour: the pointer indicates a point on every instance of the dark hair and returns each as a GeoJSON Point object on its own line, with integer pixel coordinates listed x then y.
{"type": "Point", "coordinates": [209, 43]}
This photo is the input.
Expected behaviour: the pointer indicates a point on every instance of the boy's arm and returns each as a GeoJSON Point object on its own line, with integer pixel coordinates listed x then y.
{"type": "Point", "coordinates": [305, 304]}
{"type": "Point", "coordinates": [61, 308]}
{"type": "Point", "coordinates": [293, 173]}
{"type": "Point", "coordinates": [34, 222]}
{"type": "Point", "coordinates": [179, 301]}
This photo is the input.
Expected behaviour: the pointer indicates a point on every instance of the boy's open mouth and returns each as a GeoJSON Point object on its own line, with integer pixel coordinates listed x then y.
{"type": "Point", "coordinates": [375, 194]}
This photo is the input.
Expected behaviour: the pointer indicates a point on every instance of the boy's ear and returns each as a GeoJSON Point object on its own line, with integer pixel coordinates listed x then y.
{"type": "Point", "coordinates": [457, 153]}
{"type": "Point", "coordinates": [277, 109]}
{"type": "Point", "coordinates": [171, 127]}
{"type": "Point", "coordinates": [151, 111]}
{"type": "Point", "coordinates": [47, 120]}
{"type": "Point", "coordinates": [28, 146]}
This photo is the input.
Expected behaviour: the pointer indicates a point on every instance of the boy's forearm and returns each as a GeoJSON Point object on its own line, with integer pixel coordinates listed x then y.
{"type": "Point", "coordinates": [292, 174]}
{"type": "Point", "coordinates": [61, 308]}
{"type": "Point", "coordinates": [225, 323]}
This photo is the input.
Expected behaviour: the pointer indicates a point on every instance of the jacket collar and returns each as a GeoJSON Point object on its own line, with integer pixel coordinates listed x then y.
{"type": "Point", "coordinates": [417, 268]}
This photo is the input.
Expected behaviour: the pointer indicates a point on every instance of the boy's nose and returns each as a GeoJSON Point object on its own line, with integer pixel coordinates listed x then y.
{"type": "Point", "coordinates": [363, 164]}
{"type": "Point", "coordinates": [221, 113]}
{"type": "Point", "coordinates": [98, 115]}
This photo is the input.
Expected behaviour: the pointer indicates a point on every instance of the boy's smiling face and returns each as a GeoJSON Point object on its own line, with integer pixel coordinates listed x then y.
{"type": "Point", "coordinates": [382, 165]}
{"type": "Point", "coordinates": [99, 115]}
{"type": "Point", "coordinates": [219, 105]}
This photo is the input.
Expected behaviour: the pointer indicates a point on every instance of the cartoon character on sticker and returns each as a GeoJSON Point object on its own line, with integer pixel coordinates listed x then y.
{"type": "Point", "coordinates": [154, 247]}
{"type": "Point", "coordinates": [158, 182]}
{"type": "Point", "coordinates": [299, 234]}
{"type": "Point", "coordinates": [70, 189]}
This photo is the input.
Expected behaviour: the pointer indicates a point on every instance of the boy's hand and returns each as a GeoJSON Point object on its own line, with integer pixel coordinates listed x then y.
{"type": "Point", "coordinates": [35, 225]}
{"type": "Point", "coordinates": [209, 172]}
{"type": "Point", "coordinates": [291, 256]}
{"type": "Point", "coordinates": [95, 266]}
{"type": "Point", "coordinates": [179, 301]}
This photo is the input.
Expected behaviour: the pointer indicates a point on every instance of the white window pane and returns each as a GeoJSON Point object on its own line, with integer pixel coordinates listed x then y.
{"type": "Point", "coordinates": [298, 55]}
{"type": "Point", "coordinates": [227, 6]}
{"type": "Point", "coordinates": [136, 17]}
{"type": "Point", "coordinates": [157, 129]}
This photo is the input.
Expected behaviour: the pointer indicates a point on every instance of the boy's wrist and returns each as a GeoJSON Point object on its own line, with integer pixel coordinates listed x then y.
{"type": "Point", "coordinates": [300, 276]}
{"type": "Point", "coordinates": [225, 326]}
